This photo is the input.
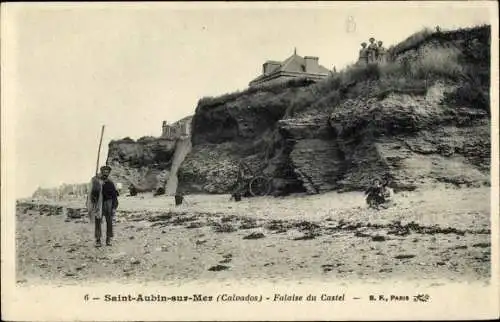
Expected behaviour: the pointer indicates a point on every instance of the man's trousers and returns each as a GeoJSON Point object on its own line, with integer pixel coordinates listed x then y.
{"type": "Point", "coordinates": [107, 212]}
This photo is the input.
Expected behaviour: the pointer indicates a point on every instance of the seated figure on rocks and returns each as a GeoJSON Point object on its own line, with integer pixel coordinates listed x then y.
{"type": "Point", "coordinates": [388, 193]}
{"type": "Point", "coordinates": [375, 194]}
{"type": "Point", "coordinates": [363, 54]}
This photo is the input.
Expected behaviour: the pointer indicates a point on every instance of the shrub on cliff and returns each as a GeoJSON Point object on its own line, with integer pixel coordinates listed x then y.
{"type": "Point", "coordinates": [481, 33]}
{"type": "Point", "coordinates": [439, 63]}
{"type": "Point", "coordinates": [459, 57]}
{"type": "Point", "coordinates": [411, 42]}
{"type": "Point", "coordinates": [124, 140]}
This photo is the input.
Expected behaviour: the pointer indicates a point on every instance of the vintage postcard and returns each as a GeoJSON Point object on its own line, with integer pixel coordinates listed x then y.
{"type": "Point", "coordinates": [249, 161]}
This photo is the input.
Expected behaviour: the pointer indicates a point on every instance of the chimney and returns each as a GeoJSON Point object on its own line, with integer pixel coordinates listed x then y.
{"type": "Point", "coordinates": [311, 64]}
{"type": "Point", "coordinates": [164, 128]}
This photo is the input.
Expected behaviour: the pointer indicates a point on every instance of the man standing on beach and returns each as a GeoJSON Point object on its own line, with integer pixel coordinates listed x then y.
{"type": "Point", "coordinates": [102, 201]}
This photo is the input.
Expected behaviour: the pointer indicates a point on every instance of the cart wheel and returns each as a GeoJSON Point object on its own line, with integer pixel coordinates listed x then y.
{"type": "Point", "coordinates": [260, 186]}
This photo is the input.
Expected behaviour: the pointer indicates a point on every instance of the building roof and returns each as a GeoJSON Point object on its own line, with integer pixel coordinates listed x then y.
{"type": "Point", "coordinates": [182, 120]}
{"type": "Point", "coordinates": [293, 64]}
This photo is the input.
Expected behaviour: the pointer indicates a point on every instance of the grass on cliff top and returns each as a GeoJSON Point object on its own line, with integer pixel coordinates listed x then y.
{"type": "Point", "coordinates": [446, 60]}
{"type": "Point", "coordinates": [426, 34]}
{"type": "Point", "coordinates": [273, 88]}
{"type": "Point", "coordinates": [461, 57]}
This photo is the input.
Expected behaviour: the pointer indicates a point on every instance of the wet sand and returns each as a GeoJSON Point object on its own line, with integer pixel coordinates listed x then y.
{"type": "Point", "coordinates": [428, 235]}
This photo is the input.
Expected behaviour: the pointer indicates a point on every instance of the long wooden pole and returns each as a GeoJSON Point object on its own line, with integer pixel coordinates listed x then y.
{"type": "Point", "coordinates": [99, 151]}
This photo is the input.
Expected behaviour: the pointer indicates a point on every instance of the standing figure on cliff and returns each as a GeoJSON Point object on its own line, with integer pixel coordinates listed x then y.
{"type": "Point", "coordinates": [381, 53]}
{"type": "Point", "coordinates": [102, 201]}
{"type": "Point", "coordinates": [363, 54]}
{"type": "Point", "coordinates": [372, 51]}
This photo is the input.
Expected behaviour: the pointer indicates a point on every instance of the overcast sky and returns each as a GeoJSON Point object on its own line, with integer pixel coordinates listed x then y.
{"type": "Point", "coordinates": [72, 68]}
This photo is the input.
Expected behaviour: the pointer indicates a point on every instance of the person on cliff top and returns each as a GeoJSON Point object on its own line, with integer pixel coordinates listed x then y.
{"type": "Point", "coordinates": [375, 194]}
{"type": "Point", "coordinates": [102, 201]}
{"type": "Point", "coordinates": [381, 53]}
{"type": "Point", "coordinates": [363, 54]}
{"type": "Point", "coordinates": [372, 51]}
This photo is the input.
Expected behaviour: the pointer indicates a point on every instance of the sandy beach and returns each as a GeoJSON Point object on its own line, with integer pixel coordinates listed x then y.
{"type": "Point", "coordinates": [434, 234]}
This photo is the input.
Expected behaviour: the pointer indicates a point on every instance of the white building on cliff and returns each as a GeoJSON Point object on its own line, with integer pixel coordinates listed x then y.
{"type": "Point", "coordinates": [176, 130]}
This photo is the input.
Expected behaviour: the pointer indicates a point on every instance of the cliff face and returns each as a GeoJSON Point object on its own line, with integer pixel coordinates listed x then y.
{"type": "Point", "coordinates": [234, 128]}
{"type": "Point", "coordinates": [421, 118]}
{"type": "Point", "coordinates": [140, 162]}
{"type": "Point", "coordinates": [415, 139]}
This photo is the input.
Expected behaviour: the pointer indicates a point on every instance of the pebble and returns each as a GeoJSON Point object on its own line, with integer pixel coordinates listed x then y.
{"type": "Point", "coordinates": [218, 268]}
{"type": "Point", "coordinates": [254, 235]}
{"type": "Point", "coordinates": [378, 238]}
{"type": "Point", "coordinates": [82, 266]}
{"type": "Point", "coordinates": [404, 256]}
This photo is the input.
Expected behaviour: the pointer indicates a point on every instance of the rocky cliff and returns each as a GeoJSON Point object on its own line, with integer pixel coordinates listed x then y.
{"type": "Point", "coordinates": [140, 162]}
{"type": "Point", "coordinates": [422, 117]}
